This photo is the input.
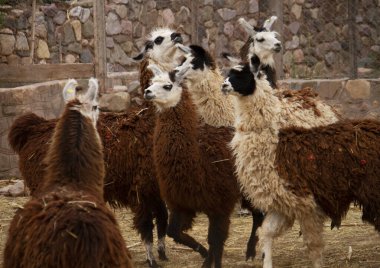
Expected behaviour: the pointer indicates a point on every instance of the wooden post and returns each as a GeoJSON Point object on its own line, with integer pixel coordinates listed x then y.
{"type": "Point", "coordinates": [33, 32]}
{"type": "Point", "coordinates": [276, 8]}
{"type": "Point", "coordinates": [100, 44]}
{"type": "Point", "coordinates": [194, 23]}
{"type": "Point", "coordinates": [352, 12]}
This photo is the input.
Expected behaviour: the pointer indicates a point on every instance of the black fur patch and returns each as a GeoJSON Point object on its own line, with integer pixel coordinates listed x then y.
{"type": "Point", "coordinates": [139, 57]}
{"type": "Point", "coordinates": [149, 45]}
{"type": "Point", "coordinates": [255, 63]}
{"type": "Point", "coordinates": [172, 75]}
{"type": "Point", "coordinates": [271, 75]}
{"type": "Point", "coordinates": [243, 82]}
{"type": "Point", "coordinates": [176, 37]}
{"type": "Point", "coordinates": [201, 58]}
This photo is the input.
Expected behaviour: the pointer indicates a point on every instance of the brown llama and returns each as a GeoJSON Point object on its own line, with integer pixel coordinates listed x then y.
{"type": "Point", "coordinates": [194, 167]}
{"type": "Point", "coordinates": [127, 138]}
{"type": "Point", "coordinates": [69, 224]}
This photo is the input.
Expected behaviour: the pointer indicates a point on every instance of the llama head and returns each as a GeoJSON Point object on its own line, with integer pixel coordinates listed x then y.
{"type": "Point", "coordinates": [265, 42]}
{"type": "Point", "coordinates": [87, 103]}
{"type": "Point", "coordinates": [245, 79]}
{"type": "Point", "coordinates": [161, 46]}
{"type": "Point", "coordinates": [164, 91]}
{"type": "Point", "coordinates": [196, 61]}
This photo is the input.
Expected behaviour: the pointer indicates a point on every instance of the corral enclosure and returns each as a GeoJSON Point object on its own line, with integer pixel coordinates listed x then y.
{"type": "Point", "coordinates": [325, 45]}
{"type": "Point", "coordinates": [331, 46]}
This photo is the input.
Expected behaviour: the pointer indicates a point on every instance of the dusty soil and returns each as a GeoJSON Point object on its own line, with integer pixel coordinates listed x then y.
{"type": "Point", "coordinates": [288, 250]}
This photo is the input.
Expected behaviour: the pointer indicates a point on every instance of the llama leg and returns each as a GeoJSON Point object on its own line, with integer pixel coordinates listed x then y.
{"type": "Point", "coordinates": [162, 224]}
{"type": "Point", "coordinates": [312, 228]}
{"type": "Point", "coordinates": [143, 222]}
{"type": "Point", "coordinates": [217, 235]}
{"type": "Point", "coordinates": [179, 222]}
{"type": "Point", "coordinates": [273, 226]}
{"type": "Point", "coordinates": [258, 218]}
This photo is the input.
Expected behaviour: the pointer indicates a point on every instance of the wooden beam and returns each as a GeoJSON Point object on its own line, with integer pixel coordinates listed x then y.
{"type": "Point", "coordinates": [352, 12]}
{"type": "Point", "coordinates": [45, 72]}
{"type": "Point", "coordinates": [100, 44]}
{"type": "Point", "coordinates": [33, 32]}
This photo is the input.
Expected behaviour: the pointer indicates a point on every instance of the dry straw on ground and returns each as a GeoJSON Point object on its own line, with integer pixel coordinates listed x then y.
{"type": "Point", "coordinates": [288, 250]}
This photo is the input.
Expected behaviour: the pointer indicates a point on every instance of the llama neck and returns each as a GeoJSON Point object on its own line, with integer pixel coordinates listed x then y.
{"type": "Point", "coordinates": [75, 157]}
{"type": "Point", "coordinates": [268, 67]}
{"type": "Point", "coordinates": [213, 106]}
{"type": "Point", "coordinates": [176, 137]}
{"type": "Point", "coordinates": [259, 111]}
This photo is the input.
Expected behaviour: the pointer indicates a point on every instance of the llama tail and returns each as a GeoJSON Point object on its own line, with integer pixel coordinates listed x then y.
{"type": "Point", "coordinates": [21, 129]}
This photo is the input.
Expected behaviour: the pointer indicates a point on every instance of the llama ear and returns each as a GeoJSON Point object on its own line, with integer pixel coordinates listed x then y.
{"type": "Point", "coordinates": [155, 69]}
{"type": "Point", "coordinates": [230, 58]}
{"type": "Point", "coordinates": [92, 91]}
{"type": "Point", "coordinates": [269, 22]}
{"type": "Point", "coordinates": [69, 91]}
{"type": "Point", "coordinates": [247, 27]}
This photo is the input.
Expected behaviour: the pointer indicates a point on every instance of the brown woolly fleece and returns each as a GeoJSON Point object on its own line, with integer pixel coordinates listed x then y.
{"type": "Point", "coordinates": [338, 164]}
{"type": "Point", "coordinates": [194, 165]}
{"type": "Point", "coordinates": [68, 225]}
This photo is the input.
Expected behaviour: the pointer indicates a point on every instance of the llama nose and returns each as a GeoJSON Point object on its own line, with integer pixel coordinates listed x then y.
{"type": "Point", "coordinates": [277, 47]}
{"type": "Point", "coordinates": [148, 95]}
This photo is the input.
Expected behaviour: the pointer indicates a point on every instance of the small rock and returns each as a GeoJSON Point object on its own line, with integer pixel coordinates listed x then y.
{"type": "Point", "coordinates": [126, 27]}
{"type": "Point", "coordinates": [85, 15]}
{"type": "Point", "coordinates": [41, 31]}
{"type": "Point", "coordinates": [7, 44]}
{"type": "Point", "coordinates": [17, 12]}
{"type": "Point", "coordinates": [76, 12]}
{"type": "Point", "coordinates": [86, 56]}
{"type": "Point", "coordinates": [296, 10]}
{"type": "Point", "coordinates": [21, 42]}
{"type": "Point", "coordinates": [75, 47]}
{"type": "Point", "coordinates": [109, 42]}
{"type": "Point", "coordinates": [69, 35]}
{"type": "Point", "coordinates": [113, 25]}
{"type": "Point", "coordinates": [88, 29]}
{"type": "Point", "coordinates": [115, 102]}
{"type": "Point", "coordinates": [358, 89]}
{"type": "Point", "coordinates": [60, 17]}
{"type": "Point", "coordinates": [49, 10]}
{"type": "Point", "coordinates": [226, 13]}
{"type": "Point", "coordinates": [14, 190]}
{"type": "Point", "coordinates": [127, 46]}
{"type": "Point", "coordinates": [43, 50]}
{"type": "Point", "coordinates": [13, 60]}
{"type": "Point", "coordinates": [69, 58]}
{"type": "Point", "coordinates": [253, 6]}
{"type": "Point", "coordinates": [120, 1]}
{"type": "Point", "coordinates": [229, 29]}
{"type": "Point", "coordinates": [121, 10]}
{"type": "Point", "coordinates": [294, 27]}
{"type": "Point", "coordinates": [77, 27]}
{"type": "Point", "coordinates": [293, 44]}
{"type": "Point", "coordinates": [298, 55]}
{"type": "Point", "coordinates": [330, 58]}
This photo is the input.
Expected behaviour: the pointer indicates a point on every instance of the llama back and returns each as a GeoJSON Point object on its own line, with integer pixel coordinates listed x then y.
{"type": "Point", "coordinates": [74, 224]}
{"type": "Point", "coordinates": [338, 162]}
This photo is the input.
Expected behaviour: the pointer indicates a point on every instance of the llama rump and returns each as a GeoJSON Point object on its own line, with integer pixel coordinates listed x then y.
{"type": "Point", "coordinates": [69, 224]}
{"type": "Point", "coordinates": [194, 167]}
{"type": "Point", "coordinates": [127, 138]}
{"type": "Point", "coordinates": [338, 164]}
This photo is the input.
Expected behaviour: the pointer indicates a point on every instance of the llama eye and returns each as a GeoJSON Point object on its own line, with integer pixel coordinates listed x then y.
{"type": "Point", "coordinates": [168, 87]}
{"type": "Point", "coordinates": [95, 107]}
{"type": "Point", "coordinates": [158, 40]}
{"type": "Point", "coordinates": [260, 40]}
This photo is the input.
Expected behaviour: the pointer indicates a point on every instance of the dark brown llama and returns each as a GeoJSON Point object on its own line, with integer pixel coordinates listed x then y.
{"type": "Point", "coordinates": [69, 224]}
{"type": "Point", "coordinates": [194, 167]}
{"type": "Point", "coordinates": [127, 138]}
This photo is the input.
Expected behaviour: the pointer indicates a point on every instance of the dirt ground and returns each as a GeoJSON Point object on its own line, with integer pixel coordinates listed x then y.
{"type": "Point", "coordinates": [288, 250]}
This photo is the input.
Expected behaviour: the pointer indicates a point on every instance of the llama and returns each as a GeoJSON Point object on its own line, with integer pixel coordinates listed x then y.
{"type": "Point", "coordinates": [194, 167]}
{"type": "Point", "coordinates": [127, 138]}
{"type": "Point", "coordinates": [288, 173]}
{"type": "Point", "coordinates": [203, 80]}
{"type": "Point", "coordinates": [69, 224]}
{"type": "Point", "coordinates": [263, 44]}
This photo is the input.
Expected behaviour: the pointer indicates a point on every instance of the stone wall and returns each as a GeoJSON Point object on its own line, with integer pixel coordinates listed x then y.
{"type": "Point", "coordinates": [316, 38]}
{"type": "Point", "coordinates": [43, 99]}
{"type": "Point", "coordinates": [353, 98]}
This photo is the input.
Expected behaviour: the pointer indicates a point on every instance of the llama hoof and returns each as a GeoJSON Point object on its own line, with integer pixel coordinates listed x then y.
{"type": "Point", "coordinates": [250, 255]}
{"type": "Point", "coordinates": [153, 264]}
{"type": "Point", "coordinates": [206, 263]}
{"type": "Point", "coordinates": [162, 255]}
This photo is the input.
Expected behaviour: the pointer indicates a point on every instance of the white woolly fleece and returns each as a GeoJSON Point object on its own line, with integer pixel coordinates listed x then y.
{"type": "Point", "coordinates": [215, 108]}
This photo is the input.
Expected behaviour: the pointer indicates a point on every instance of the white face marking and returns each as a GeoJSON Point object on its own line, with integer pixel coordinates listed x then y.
{"type": "Point", "coordinates": [163, 92]}
{"type": "Point", "coordinates": [165, 50]}
{"type": "Point", "coordinates": [265, 44]}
